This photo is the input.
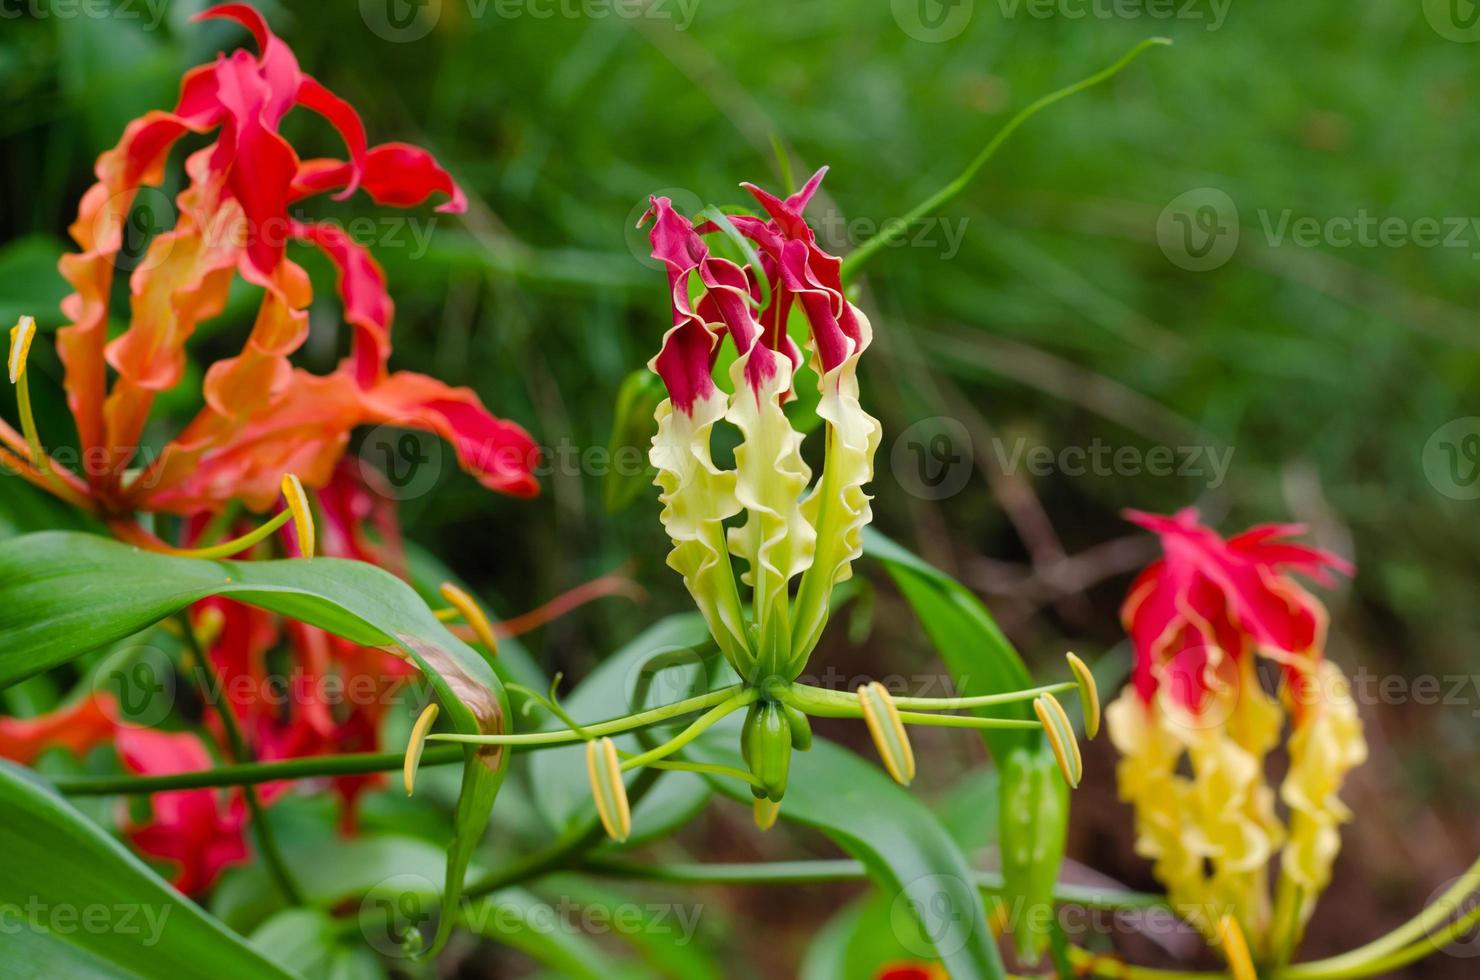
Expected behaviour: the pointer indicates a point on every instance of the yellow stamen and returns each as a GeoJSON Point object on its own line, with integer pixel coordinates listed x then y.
{"type": "Point", "coordinates": [1089, 694]}
{"type": "Point", "coordinates": [297, 502]}
{"type": "Point", "coordinates": [607, 788]}
{"type": "Point", "coordinates": [1236, 949]}
{"type": "Point", "coordinates": [890, 738]}
{"type": "Point", "coordinates": [418, 742]}
{"type": "Point", "coordinates": [20, 345]}
{"type": "Point", "coordinates": [766, 812]}
{"type": "Point", "coordinates": [21, 336]}
{"type": "Point", "coordinates": [472, 614]}
{"type": "Point", "coordinates": [1060, 737]}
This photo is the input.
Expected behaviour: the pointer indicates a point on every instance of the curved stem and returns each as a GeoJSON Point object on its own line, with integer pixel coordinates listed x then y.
{"type": "Point", "coordinates": [864, 252]}
{"type": "Point", "coordinates": [1414, 929]}
{"type": "Point", "coordinates": [310, 767]}
{"type": "Point", "coordinates": [736, 701]}
{"type": "Point", "coordinates": [241, 752]}
{"type": "Point", "coordinates": [238, 544]}
{"type": "Point", "coordinates": [626, 723]}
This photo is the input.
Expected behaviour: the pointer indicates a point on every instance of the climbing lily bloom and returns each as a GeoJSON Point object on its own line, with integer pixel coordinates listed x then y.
{"type": "Point", "coordinates": [799, 537]}
{"type": "Point", "coordinates": [790, 533]}
{"type": "Point", "coordinates": [261, 416]}
{"type": "Point", "coordinates": [1201, 620]}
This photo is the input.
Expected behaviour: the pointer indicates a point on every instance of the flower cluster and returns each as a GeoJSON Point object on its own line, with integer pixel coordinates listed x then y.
{"type": "Point", "coordinates": [261, 416]}
{"type": "Point", "coordinates": [789, 533]}
{"type": "Point", "coordinates": [1201, 620]}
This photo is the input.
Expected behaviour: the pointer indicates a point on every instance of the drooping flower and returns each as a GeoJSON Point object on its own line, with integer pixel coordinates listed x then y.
{"type": "Point", "coordinates": [790, 535]}
{"type": "Point", "coordinates": [262, 417]}
{"type": "Point", "coordinates": [1201, 619]}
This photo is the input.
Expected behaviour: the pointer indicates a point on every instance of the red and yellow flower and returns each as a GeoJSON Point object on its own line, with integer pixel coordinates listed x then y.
{"type": "Point", "coordinates": [790, 532]}
{"type": "Point", "coordinates": [262, 416]}
{"type": "Point", "coordinates": [1202, 620]}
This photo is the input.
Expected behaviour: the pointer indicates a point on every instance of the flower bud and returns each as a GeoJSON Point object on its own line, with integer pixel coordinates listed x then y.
{"type": "Point", "coordinates": [765, 742]}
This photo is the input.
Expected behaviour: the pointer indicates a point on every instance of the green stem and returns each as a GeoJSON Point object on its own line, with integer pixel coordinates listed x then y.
{"type": "Point", "coordinates": [241, 752]}
{"type": "Point", "coordinates": [310, 767]}
{"type": "Point", "coordinates": [834, 704]}
{"type": "Point", "coordinates": [822, 872]}
{"type": "Point", "coordinates": [1428, 946]}
{"type": "Point", "coordinates": [1415, 932]}
{"type": "Point", "coordinates": [239, 544]}
{"type": "Point", "coordinates": [626, 723]}
{"type": "Point", "coordinates": [941, 704]}
{"type": "Point", "coordinates": [864, 252]}
{"type": "Point", "coordinates": [701, 724]}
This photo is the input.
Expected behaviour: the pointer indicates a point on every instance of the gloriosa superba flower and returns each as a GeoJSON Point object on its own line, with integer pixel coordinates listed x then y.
{"type": "Point", "coordinates": [1200, 620]}
{"type": "Point", "coordinates": [790, 533]}
{"type": "Point", "coordinates": [795, 536]}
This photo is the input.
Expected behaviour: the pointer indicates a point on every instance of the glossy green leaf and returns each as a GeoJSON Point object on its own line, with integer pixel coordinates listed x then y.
{"type": "Point", "coordinates": [935, 909]}
{"type": "Point", "coordinates": [64, 593]}
{"type": "Point", "coordinates": [86, 907]}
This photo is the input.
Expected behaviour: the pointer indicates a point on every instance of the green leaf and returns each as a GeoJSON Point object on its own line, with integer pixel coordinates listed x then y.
{"type": "Point", "coordinates": [29, 282]}
{"type": "Point", "coordinates": [315, 946]}
{"type": "Point", "coordinates": [518, 918]}
{"type": "Point", "coordinates": [1034, 807]}
{"type": "Point", "coordinates": [633, 428]}
{"type": "Point", "coordinates": [926, 879]}
{"type": "Point", "coordinates": [562, 790]}
{"type": "Point", "coordinates": [64, 593]}
{"type": "Point", "coordinates": [90, 908]}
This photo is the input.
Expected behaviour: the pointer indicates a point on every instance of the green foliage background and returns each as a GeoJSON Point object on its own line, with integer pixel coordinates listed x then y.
{"type": "Point", "coordinates": [1058, 321]}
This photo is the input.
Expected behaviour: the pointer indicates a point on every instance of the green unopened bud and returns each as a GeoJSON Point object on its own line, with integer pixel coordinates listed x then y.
{"type": "Point", "coordinates": [801, 729]}
{"type": "Point", "coordinates": [765, 742]}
